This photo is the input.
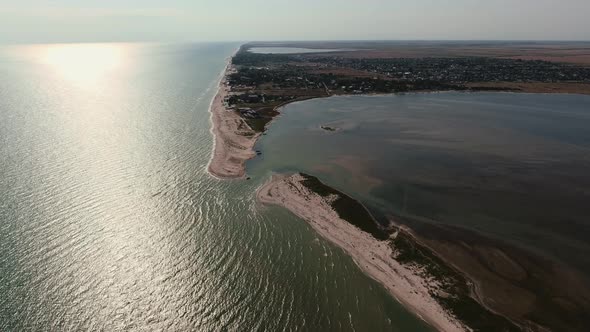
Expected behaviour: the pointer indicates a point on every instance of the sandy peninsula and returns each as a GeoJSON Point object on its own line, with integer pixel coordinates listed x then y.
{"type": "Point", "coordinates": [373, 256]}
{"type": "Point", "coordinates": [234, 139]}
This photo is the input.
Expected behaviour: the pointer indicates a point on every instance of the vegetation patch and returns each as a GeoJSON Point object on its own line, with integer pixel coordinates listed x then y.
{"type": "Point", "coordinates": [451, 288]}
{"type": "Point", "coordinates": [347, 207]}
{"type": "Point", "coordinates": [448, 286]}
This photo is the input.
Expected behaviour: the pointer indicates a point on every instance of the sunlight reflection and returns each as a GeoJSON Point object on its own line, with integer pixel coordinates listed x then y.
{"type": "Point", "coordinates": [85, 65]}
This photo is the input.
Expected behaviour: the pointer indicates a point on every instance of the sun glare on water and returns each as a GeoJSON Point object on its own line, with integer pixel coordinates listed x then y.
{"type": "Point", "coordinates": [86, 65]}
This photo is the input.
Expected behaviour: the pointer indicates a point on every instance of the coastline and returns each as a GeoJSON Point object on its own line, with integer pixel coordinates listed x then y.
{"type": "Point", "coordinates": [233, 140]}
{"type": "Point", "coordinates": [373, 256]}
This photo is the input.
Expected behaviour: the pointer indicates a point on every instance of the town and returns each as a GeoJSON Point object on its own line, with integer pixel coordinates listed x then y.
{"type": "Point", "coordinates": [261, 83]}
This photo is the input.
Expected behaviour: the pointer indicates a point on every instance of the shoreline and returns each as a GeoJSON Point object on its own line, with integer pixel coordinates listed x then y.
{"type": "Point", "coordinates": [373, 256]}
{"type": "Point", "coordinates": [428, 297]}
{"type": "Point", "coordinates": [233, 139]}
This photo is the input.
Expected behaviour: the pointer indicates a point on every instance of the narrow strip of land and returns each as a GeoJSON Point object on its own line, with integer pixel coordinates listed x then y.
{"type": "Point", "coordinates": [234, 139]}
{"type": "Point", "coordinates": [374, 256]}
{"type": "Point", "coordinates": [409, 270]}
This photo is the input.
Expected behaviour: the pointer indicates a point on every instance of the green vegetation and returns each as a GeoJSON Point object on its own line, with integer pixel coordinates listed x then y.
{"type": "Point", "coordinates": [347, 207]}
{"type": "Point", "coordinates": [325, 73]}
{"type": "Point", "coordinates": [454, 292]}
{"type": "Point", "coordinates": [263, 81]}
{"type": "Point", "coordinates": [259, 124]}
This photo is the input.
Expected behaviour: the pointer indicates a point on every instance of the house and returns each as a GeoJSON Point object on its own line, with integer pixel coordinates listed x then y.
{"type": "Point", "coordinates": [248, 113]}
{"type": "Point", "coordinates": [253, 98]}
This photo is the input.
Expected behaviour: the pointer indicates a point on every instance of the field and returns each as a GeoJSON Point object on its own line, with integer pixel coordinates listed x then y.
{"type": "Point", "coordinates": [564, 52]}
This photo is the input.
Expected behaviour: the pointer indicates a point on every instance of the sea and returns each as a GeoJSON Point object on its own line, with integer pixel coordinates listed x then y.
{"type": "Point", "coordinates": [109, 220]}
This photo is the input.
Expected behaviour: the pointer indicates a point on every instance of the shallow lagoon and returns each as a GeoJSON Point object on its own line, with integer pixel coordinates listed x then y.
{"type": "Point", "coordinates": [509, 166]}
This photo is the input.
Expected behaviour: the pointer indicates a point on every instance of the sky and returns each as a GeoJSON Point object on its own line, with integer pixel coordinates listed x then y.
{"type": "Point", "coordinates": [34, 21]}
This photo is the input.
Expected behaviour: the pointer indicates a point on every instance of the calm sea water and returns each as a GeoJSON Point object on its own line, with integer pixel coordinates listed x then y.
{"type": "Point", "coordinates": [110, 222]}
{"type": "Point", "coordinates": [510, 166]}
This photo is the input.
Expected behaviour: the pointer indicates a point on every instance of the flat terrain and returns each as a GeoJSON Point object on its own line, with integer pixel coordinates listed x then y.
{"type": "Point", "coordinates": [264, 82]}
{"type": "Point", "coordinates": [563, 52]}
{"type": "Point", "coordinates": [534, 87]}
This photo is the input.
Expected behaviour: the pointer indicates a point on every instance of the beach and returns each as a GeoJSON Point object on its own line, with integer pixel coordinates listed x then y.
{"type": "Point", "coordinates": [374, 257]}
{"type": "Point", "coordinates": [233, 138]}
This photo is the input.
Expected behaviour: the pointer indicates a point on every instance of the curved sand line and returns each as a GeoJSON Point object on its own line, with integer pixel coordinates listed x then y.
{"type": "Point", "coordinates": [374, 257]}
{"type": "Point", "coordinates": [233, 140]}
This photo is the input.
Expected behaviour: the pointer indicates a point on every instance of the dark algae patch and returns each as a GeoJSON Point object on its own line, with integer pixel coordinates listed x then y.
{"type": "Point", "coordinates": [347, 207]}
{"type": "Point", "coordinates": [453, 291]}
{"type": "Point", "coordinates": [451, 288]}
{"type": "Point", "coordinates": [327, 128]}
{"type": "Point", "coordinates": [527, 288]}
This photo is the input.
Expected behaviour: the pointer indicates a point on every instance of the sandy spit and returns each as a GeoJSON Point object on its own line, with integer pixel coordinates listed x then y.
{"type": "Point", "coordinates": [374, 257]}
{"type": "Point", "coordinates": [234, 140]}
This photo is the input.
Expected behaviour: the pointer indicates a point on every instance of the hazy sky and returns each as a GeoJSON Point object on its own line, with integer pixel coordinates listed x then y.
{"type": "Point", "coordinates": [24, 21]}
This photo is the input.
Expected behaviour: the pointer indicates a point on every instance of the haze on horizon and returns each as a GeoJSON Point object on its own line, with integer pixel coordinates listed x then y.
{"type": "Point", "coordinates": [30, 21]}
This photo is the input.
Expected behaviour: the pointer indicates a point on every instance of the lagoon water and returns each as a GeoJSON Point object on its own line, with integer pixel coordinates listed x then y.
{"type": "Point", "coordinates": [110, 222]}
{"type": "Point", "coordinates": [513, 167]}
